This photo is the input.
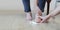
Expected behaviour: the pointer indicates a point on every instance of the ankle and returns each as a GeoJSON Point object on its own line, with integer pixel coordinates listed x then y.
{"type": "Point", "coordinates": [29, 13]}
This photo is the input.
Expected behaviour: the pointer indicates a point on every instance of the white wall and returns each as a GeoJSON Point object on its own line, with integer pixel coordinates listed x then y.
{"type": "Point", "coordinates": [52, 5]}
{"type": "Point", "coordinates": [18, 5]}
{"type": "Point", "coordinates": [8, 4]}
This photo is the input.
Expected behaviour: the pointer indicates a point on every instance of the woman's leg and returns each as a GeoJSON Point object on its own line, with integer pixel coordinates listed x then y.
{"type": "Point", "coordinates": [41, 4]}
{"type": "Point", "coordinates": [27, 10]}
{"type": "Point", "coordinates": [40, 9]}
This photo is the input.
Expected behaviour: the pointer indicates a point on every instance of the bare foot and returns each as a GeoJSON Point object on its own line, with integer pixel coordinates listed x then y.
{"type": "Point", "coordinates": [38, 19]}
{"type": "Point", "coordinates": [29, 16]}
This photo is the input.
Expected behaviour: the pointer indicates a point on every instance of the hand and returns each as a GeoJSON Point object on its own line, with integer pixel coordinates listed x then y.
{"type": "Point", "coordinates": [45, 19]}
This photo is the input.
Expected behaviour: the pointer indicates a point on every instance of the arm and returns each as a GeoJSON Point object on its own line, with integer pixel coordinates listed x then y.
{"type": "Point", "coordinates": [54, 13]}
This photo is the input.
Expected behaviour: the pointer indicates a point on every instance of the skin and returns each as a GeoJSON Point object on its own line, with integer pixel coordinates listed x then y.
{"type": "Point", "coordinates": [52, 14]}
{"type": "Point", "coordinates": [29, 16]}
{"type": "Point", "coordinates": [39, 12]}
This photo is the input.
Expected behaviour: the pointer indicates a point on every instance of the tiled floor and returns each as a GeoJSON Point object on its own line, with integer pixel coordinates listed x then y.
{"type": "Point", "coordinates": [18, 22]}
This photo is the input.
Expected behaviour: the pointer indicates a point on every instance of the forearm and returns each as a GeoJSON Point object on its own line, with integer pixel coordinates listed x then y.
{"type": "Point", "coordinates": [54, 13]}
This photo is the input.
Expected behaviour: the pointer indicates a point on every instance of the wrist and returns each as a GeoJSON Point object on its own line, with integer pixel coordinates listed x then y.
{"type": "Point", "coordinates": [49, 16]}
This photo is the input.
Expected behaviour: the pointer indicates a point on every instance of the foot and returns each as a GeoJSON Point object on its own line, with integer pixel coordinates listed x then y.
{"type": "Point", "coordinates": [38, 19]}
{"type": "Point", "coordinates": [29, 16]}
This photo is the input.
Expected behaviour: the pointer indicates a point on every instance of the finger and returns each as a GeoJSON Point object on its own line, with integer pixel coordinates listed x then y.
{"type": "Point", "coordinates": [43, 20]}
